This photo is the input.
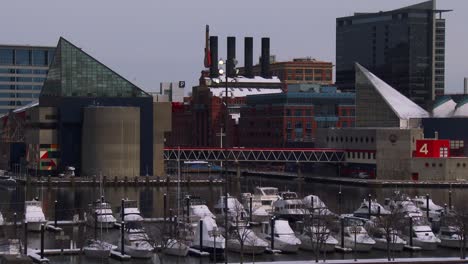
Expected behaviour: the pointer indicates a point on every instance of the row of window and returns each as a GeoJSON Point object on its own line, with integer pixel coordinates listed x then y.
{"type": "Point", "coordinates": [14, 103]}
{"type": "Point", "coordinates": [19, 95]}
{"type": "Point", "coordinates": [9, 56]}
{"type": "Point", "coordinates": [441, 165]}
{"type": "Point", "coordinates": [350, 139]}
{"type": "Point", "coordinates": [361, 155]}
{"type": "Point", "coordinates": [20, 87]}
{"type": "Point", "coordinates": [22, 79]}
{"type": "Point", "coordinates": [22, 71]}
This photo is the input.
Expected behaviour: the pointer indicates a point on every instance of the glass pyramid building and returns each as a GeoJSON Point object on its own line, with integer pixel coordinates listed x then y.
{"type": "Point", "coordinates": [74, 73]}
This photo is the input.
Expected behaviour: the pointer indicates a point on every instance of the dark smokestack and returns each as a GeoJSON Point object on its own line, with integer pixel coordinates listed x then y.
{"type": "Point", "coordinates": [231, 56]}
{"type": "Point", "coordinates": [248, 57]}
{"type": "Point", "coordinates": [265, 60]}
{"type": "Point", "coordinates": [214, 56]}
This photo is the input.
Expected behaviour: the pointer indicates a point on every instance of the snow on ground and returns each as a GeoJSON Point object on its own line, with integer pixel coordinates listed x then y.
{"type": "Point", "coordinates": [397, 260]}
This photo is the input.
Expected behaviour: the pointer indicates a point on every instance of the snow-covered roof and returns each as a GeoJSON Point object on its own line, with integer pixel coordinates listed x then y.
{"type": "Point", "coordinates": [243, 79]}
{"type": "Point", "coordinates": [242, 92]}
{"type": "Point", "coordinates": [462, 109]}
{"type": "Point", "coordinates": [444, 108]}
{"type": "Point", "coordinates": [403, 107]}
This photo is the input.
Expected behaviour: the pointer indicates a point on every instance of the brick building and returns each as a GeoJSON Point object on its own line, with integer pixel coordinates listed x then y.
{"type": "Point", "coordinates": [291, 119]}
{"type": "Point", "coordinates": [300, 70]}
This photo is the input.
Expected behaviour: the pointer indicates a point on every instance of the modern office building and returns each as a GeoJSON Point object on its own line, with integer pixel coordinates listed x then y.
{"type": "Point", "coordinates": [88, 117]}
{"type": "Point", "coordinates": [23, 70]}
{"type": "Point", "coordinates": [291, 119]}
{"type": "Point", "coordinates": [404, 47]}
{"type": "Point", "coordinates": [299, 70]}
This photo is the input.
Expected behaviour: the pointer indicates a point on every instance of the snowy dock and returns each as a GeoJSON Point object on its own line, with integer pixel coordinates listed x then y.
{"type": "Point", "coordinates": [117, 255]}
{"type": "Point", "coordinates": [36, 257]}
{"type": "Point", "coordinates": [196, 252]}
{"type": "Point", "coordinates": [344, 250]}
{"type": "Point", "coordinates": [377, 261]}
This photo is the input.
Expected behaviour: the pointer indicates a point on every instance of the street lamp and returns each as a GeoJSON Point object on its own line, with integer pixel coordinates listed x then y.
{"type": "Point", "coordinates": [222, 71]}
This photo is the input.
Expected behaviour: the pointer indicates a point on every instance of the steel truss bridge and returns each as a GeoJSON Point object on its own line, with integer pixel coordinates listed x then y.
{"type": "Point", "coordinates": [308, 155]}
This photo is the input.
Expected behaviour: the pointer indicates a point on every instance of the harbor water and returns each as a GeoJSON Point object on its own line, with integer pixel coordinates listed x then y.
{"type": "Point", "coordinates": [72, 201]}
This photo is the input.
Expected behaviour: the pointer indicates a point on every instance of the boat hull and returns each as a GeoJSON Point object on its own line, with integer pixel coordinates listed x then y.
{"type": "Point", "coordinates": [96, 253]}
{"type": "Point", "coordinates": [360, 247]}
{"type": "Point", "coordinates": [325, 247]}
{"type": "Point", "coordinates": [138, 253]}
{"type": "Point", "coordinates": [180, 250]}
{"type": "Point", "coordinates": [425, 245]}
{"type": "Point", "coordinates": [382, 245]}
{"type": "Point", "coordinates": [451, 243]}
{"type": "Point", "coordinates": [36, 226]}
{"type": "Point", "coordinates": [286, 247]}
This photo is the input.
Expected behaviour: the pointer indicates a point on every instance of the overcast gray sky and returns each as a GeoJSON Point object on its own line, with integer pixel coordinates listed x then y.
{"type": "Point", "coordinates": [150, 41]}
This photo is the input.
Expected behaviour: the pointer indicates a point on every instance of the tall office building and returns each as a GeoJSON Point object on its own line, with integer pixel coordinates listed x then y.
{"type": "Point", "coordinates": [23, 70]}
{"type": "Point", "coordinates": [404, 47]}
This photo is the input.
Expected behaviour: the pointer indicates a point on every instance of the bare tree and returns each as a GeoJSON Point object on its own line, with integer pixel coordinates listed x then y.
{"type": "Point", "coordinates": [239, 230]}
{"type": "Point", "coordinates": [458, 219]}
{"type": "Point", "coordinates": [317, 223]}
{"type": "Point", "coordinates": [388, 223]}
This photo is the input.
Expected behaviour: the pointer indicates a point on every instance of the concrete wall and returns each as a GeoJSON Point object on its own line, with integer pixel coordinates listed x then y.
{"type": "Point", "coordinates": [394, 149]}
{"type": "Point", "coordinates": [440, 169]}
{"type": "Point", "coordinates": [162, 114]}
{"type": "Point", "coordinates": [111, 141]}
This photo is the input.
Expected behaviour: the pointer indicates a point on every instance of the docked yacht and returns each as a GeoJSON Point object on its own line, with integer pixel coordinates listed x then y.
{"type": "Point", "coordinates": [422, 235]}
{"type": "Point", "coordinates": [97, 249]}
{"type": "Point", "coordinates": [376, 209]}
{"type": "Point", "coordinates": [435, 211]}
{"type": "Point", "coordinates": [357, 239]}
{"type": "Point", "coordinates": [198, 210]}
{"type": "Point", "coordinates": [34, 215]}
{"type": "Point", "coordinates": [136, 241]}
{"type": "Point", "coordinates": [289, 206]}
{"type": "Point", "coordinates": [450, 237]}
{"type": "Point", "coordinates": [235, 209]}
{"type": "Point", "coordinates": [313, 202]}
{"type": "Point", "coordinates": [131, 211]}
{"type": "Point", "coordinates": [284, 237]}
{"type": "Point", "coordinates": [262, 202]}
{"type": "Point", "coordinates": [379, 235]}
{"type": "Point", "coordinates": [252, 243]}
{"type": "Point", "coordinates": [210, 238]}
{"type": "Point", "coordinates": [103, 211]}
{"type": "Point", "coordinates": [314, 237]}
{"type": "Point", "coordinates": [176, 247]}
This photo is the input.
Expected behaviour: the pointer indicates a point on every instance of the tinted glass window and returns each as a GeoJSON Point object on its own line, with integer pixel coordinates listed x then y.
{"type": "Point", "coordinates": [40, 57]}
{"type": "Point", "coordinates": [6, 56]}
{"type": "Point", "coordinates": [23, 57]}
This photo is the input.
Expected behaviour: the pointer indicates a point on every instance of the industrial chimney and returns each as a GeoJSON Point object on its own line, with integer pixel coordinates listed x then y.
{"type": "Point", "coordinates": [248, 57]}
{"type": "Point", "coordinates": [265, 59]}
{"type": "Point", "coordinates": [465, 86]}
{"type": "Point", "coordinates": [214, 56]}
{"type": "Point", "coordinates": [231, 56]}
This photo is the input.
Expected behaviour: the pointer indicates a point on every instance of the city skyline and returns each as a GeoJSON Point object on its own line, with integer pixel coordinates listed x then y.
{"type": "Point", "coordinates": [156, 42]}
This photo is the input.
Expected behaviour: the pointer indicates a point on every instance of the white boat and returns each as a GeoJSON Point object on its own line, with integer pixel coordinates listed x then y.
{"type": "Point", "coordinates": [2, 220]}
{"type": "Point", "coordinates": [235, 209]}
{"type": "Point", "coordinates": [198, 210]}
{"type": "Point", "coordinates": [422, 236]}
{"type": "Point", "coordinates": [210, 238]}
{"type": "Point", "coordinates": [313, 202]}
{"type": "Point", "coordinates": [379, 235]}
{"type": "Point", "coordinates": [97, 249]}
{"type": "Point", "coordinates": [284, 237]}
{"type": "Point", "coordinates": [357, 239]}
{"type": "Point", "coordinates": [262, 202]}
{"type": "Point", "coordinates": [34, 215]}
{"type": "Point", "coordinates": [103, 211]}
{"type": "Point", "coordinates": [289, 206]}
{"type": "Point", "coordinates": [450, 237]}
{"type": "Point", "coordinates": [136, 242]}
{"type": "Point", "coordinates": [131, 211]}
{"type": "Point", "coordinates": [252, 243]}
{"type": "Point", "coordinates": [435, 211]}
{"type": "Point", "coordinates": [376, 209]}
{"type": "Point", "coordinates": [176, 247]}
{"type": "Point", "coordinates": [7, 181]}
{"type": "Point", "coordinates": [314, 237]}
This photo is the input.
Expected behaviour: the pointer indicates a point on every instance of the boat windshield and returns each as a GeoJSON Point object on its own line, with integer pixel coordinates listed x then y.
{"type": "Point", "coordinates": [270, 191]}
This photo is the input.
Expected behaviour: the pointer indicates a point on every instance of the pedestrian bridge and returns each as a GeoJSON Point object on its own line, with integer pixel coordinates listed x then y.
{"type": "Point", "coordinates": [308, 155]}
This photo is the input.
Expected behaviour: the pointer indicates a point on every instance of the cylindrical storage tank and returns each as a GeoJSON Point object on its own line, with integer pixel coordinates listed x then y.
{"type": "Point", "coordinates": [111, 141]}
